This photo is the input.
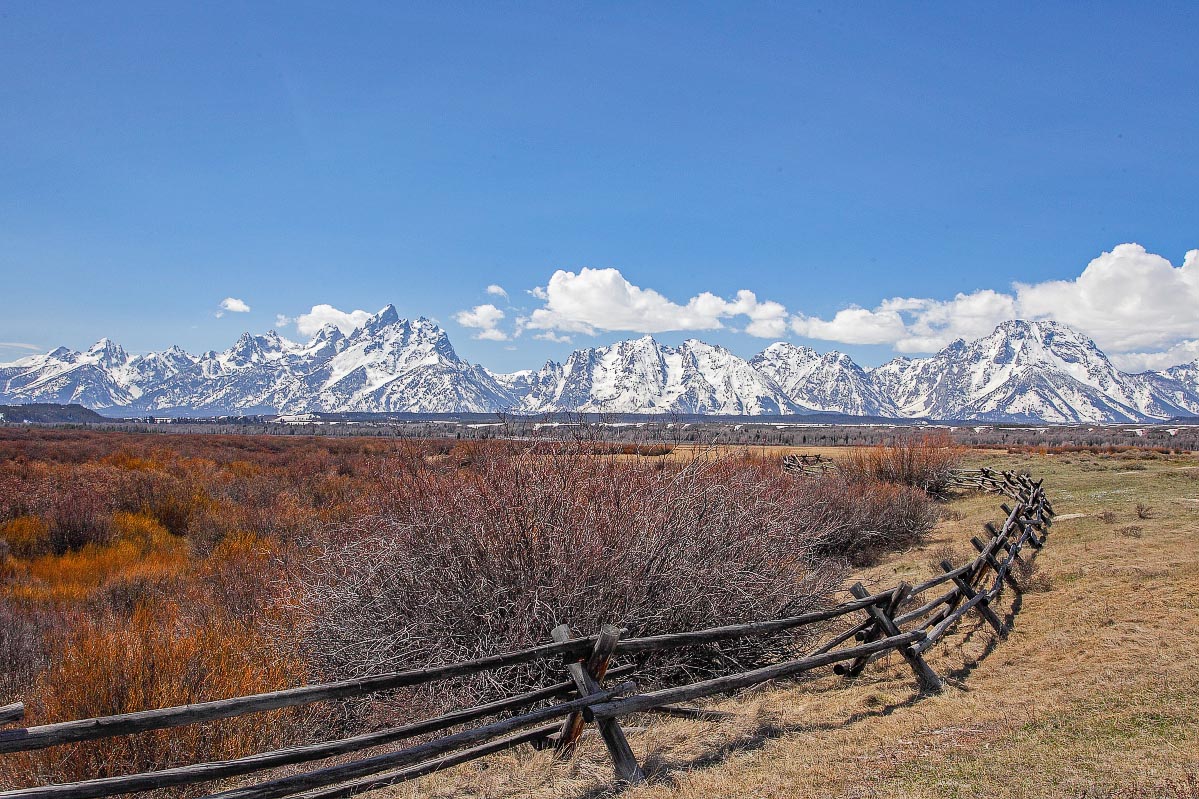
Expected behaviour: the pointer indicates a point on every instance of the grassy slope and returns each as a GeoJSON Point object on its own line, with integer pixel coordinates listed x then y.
{"type": "Point", "coordinates": [1094, 693]}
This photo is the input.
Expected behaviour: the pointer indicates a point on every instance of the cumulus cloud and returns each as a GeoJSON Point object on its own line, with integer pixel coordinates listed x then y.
{"type": "Point", "coordinates": [485, 319]}
{"type": "Point", "coordinates": [1183, 352]}
{"type": "Point", "coordinates": [549, 335]}
{"type": "Point", "coordinates": [853, 326]}
{"type": "Point", "coordinates": [497, 291]}
{"type": "Point", "coordinates": [602, 299]}
{"type": "Point", "coordinates": [324, 314]}
{"type": "Point", "coordinates": [912, 324]}
{"type": "Point", "coordinates": [1126, 300]}
{"type": "Point", "coordinates": [232, 305]}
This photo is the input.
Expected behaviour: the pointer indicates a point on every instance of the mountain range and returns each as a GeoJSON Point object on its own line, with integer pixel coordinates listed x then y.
{"type": "Point", "coordinates": [1023, 371]}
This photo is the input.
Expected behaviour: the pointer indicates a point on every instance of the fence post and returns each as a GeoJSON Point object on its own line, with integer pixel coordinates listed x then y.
{"type": "Point", "coordinates": [984, 605]}
{"type": "Point", "coordinates": [927, 678]}
{"type": "Point", "coordinates": [13, 712]}
{"type": "Point", "coordinates": [872, 633]}
{"type": "Point", "coordinates": [586, 678]}
{"type": "Point", "coordinates": [994, 564]}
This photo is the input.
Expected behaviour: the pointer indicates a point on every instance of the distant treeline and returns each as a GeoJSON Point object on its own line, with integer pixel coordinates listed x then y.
{"type": "Point", "coordinates": [818, 431]}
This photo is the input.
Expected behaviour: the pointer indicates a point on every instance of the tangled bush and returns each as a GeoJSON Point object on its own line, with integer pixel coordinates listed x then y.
{"type": "Point", "coordinates": [460, 563]}
{"type": "Point", "coordinates": [859, 520]}
{"type": "Point", "coordinates": [923, 461]}
{"type": "Point", "coordinates": [157, 658]}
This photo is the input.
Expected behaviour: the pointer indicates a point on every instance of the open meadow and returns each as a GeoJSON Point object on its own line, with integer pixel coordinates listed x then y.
{"type": "Point", "coordinates": [1094, 692]}
{"type": "Point", "coordinates": [142, 571]}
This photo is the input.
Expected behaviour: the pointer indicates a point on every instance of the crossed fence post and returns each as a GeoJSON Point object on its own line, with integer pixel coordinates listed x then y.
{"type": "Point", "coordinates": [587, 677]}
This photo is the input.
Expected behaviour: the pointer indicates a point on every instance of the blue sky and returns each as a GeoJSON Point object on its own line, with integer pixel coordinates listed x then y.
{"type": "Point", "coordinates": [156, 159]}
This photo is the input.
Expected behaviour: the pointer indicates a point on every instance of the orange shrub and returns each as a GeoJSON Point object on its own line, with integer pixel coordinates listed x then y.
{"type": "Point", "coordinates": [156, 659]}
{"type": "Point", "coordinates": [27, 536]}
{"type": "Point", "coordinates": [921, 461]}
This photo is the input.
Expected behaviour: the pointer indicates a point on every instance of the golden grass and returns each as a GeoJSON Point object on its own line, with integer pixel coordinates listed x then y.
{"type": "Point", "coordinates": [1094, 693]}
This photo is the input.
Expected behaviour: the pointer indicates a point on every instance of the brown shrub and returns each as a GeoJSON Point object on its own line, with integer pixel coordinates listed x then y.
{"type": "Point", "coordinates": [156, 659]}
{"type": "Point", "coordinates": [455, 564]}
{"type": "Point", "coordinates": [922, 461]}
{"type": "Point", "coordinates": [859, 520]}
{"type": "Point", "coordinates": [27, 536]}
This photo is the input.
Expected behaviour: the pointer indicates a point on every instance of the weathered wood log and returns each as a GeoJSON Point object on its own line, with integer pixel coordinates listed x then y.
{"type": "Point", "coordinates": [858, 631]}
{"type": "Point", "coordinates": [939, 631]}
{"type": "Point", "coordinates": [404, 775]}
{"type": "Point", "coordinates": [596, 666]}
{"type": "Point", "coordinates": [640, 703]}
{"type": "Point", "coordinates": [927, 678]}
{"type": "Point", "coordinates": [13, 712]}
{"type": "Point", "coordinates": [625, 762]}
{"type": "Point", "coordinates": [933, 582]}
{"type": "Point", "coordinates": [874, 632]}
{"type": "Point", "coordinates": [20, 740]}
{"type": "Point", "coordinates": [984, 607]}
{"type": "Point", "coordinates": [931, 605]}
{"type": "Point", "coordinates": [696, 637]}
{"type": "Point", "coordinates": [207, 772]}
{"type": "Point", "coordinates": [1028, 530]}
{"type": "Point", "coordinates": [332, 775]}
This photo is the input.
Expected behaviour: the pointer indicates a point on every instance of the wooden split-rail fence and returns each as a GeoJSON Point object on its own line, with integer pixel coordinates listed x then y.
{"type": "Point", "coordinates": [808, 465]}
{"type": "Point", "coordinates": [908, 619]}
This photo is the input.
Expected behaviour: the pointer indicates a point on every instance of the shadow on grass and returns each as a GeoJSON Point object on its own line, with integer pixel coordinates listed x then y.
{"type": "Point", "coordinates": [661, 767]}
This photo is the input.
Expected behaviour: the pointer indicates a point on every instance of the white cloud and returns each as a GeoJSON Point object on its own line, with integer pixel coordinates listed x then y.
{"type": "Point", "coordinates": [1183, 352]}
{"type": "Point", "coordinates": [324, 314]}
{"type": "Point", "coordinates": [601, 299]}
{"type": "Point", "coordinates": [483, 318]}
{"type": "Point", "coordinates": [19, 345]}
{"type": "Point", "coordinates": [550, 335]}
{"type": "Point", "coordinates": [853, 326]}
{"type": "Point", "coordinates": [1126, 300]}
{"type": "Point", "coordinates": [232, 305]}
{"type": "Point", "coordinates": [913, 324]}
{"type": "Point", "coordinates": [497, 290]}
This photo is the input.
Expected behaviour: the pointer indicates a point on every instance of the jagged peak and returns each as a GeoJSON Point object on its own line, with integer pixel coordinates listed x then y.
{"type": "Point", "coordinates": [788, 346]}
{"type": "Point", "coordinates": [699, 344]}
{"type": "Point", "coordinates": [387, 315]}
{"type": "Point", "coordinates": [839, 358]}
{"type": "Point", "coordinates": [958, 345]}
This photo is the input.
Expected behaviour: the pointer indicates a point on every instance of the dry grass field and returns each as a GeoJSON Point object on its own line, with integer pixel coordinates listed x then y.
{"type": "Point", "coordinates": [1094, 693]}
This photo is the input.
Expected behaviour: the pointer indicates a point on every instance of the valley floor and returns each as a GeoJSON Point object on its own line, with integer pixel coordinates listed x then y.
{"type": "Point", "coordinates": [1094, 693]}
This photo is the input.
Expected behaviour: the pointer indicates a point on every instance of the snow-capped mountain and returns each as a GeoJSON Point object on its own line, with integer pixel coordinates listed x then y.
{"type": "Point", "coordinates": [100, 377]}
{"type": "Point", "coordinates": [1034, 371]}
{"type": "Point", "coordinates": [387, 365]}
{"type": "Point", "coordinates": [643, 376]}
{"type": "Point", "coordinates": [1023, 371]}
{"type": "Point", "coordinates": [829, 382]}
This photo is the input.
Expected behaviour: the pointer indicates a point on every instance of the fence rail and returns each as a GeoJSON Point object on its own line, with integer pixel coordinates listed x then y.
{"type": "Point", "coordinates": [902, 619]}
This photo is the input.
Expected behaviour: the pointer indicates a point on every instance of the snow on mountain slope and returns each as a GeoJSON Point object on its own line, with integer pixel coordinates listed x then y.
{"type": "Point", "coordinates": [1029, 371]}
{"type": "Point", "coordinates": [100, 377]}
{"type": "Point", "coordinates": [391, 364]}
{"type": "Point", "coordinates": [829, 382]}
{"type": "Point", "coordinates": [1179, 385]}
{"type": "Point", "coordinates": [1023, 370]}
{"type": "Point", "coordinates": [643, 376]}
{"type": "Point", "coordinates": [387, 365]}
